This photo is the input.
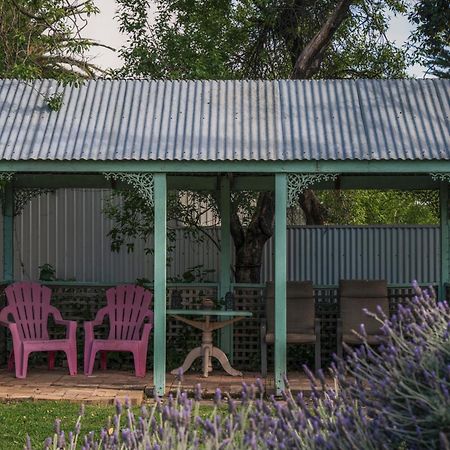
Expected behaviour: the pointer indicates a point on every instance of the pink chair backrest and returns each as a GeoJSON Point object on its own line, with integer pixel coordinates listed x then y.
{"type": "Point", "coordinates": [128, 307]}
{"type": "Point", "coordinates": [29, 305]}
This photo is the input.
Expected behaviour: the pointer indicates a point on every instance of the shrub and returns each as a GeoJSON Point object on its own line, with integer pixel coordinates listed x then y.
{"type": "Point", "coordinates": [395, 396]}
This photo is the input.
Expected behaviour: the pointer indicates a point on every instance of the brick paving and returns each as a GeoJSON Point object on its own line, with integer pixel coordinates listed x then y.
{"type": "Point", "coordinates": [104, 386]}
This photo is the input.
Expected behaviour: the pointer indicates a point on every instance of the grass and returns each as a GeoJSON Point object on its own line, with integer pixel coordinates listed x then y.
{"type": "Point", "coordinates": [17, 419]}
{"type": "Point", "coordinates": [37, 418]}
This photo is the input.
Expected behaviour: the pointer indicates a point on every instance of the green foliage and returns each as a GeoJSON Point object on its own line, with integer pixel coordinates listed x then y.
{"type": "Point", "coordinates": [134, 221]}
{"type": "Point", "coordinates": [365, 207]}
{"type": "Point", "coordinates": [197, 274]}
{"type": "Point", "coordinates": [431, 37]}
{"type": "Point", "coordinates": [193, 39]}
{"type": "Point", "coordinates": [55, 101]}
{"type": "Point", "coordinates": [47, 272]}
{"type": "Point", "coordinates": [42, 39]}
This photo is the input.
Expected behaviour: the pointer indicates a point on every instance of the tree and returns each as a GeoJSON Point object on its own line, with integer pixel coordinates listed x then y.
{"type": "Point", "coordinates": [364, 207]}
{"type": "Point", "coordinates": [198, 39]}
{"type": "Point", "coordinates": [431, 38]}
{"type": "Point", "coordinates": [42, 39]}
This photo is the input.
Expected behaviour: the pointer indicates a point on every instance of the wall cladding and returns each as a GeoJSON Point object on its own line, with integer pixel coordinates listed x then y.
{"type": "Point", "coordinates": [68, 230]}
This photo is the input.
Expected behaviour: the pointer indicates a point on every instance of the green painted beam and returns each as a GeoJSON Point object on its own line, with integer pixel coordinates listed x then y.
{"type": "Point", "coordinates": [205, 182]}
{"type": "Point", "coordinates": [160, 258]}
{"type": "Point", "coordinates": [374, 167]}
{"type": "Point", "coordinates": [8, 232]}
{"type": "Point", "coordinates": [280, 281]}
{"type": "Point", "coordinates": [253, 183]}
{"type": "Point", "coordinates": [445, 238]}
{"type": "Point", "coordinates": [193, 183]}
{"type": "Point", "coordinates": [90, 180]}
{"type": "Point", "coordinates": [388, 181]}
{"type": "Point", "coordinates": [226, 334]}
{"type": "Point", "coordinates": [67, 180]}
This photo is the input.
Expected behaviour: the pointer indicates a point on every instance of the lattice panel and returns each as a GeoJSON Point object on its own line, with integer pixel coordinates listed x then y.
{"type": "Point", "coordinates": [327, 310]}
{"type": "Point", "coordinates": [399, 294]}
{"type": "Point", "coordinates": [246, 333]}
{"type": "Point", "coordinates": [81, 303]}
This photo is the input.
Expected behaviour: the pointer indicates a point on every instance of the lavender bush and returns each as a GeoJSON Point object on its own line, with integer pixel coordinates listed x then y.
{"type": "Point", "coordinates": [395, 396]}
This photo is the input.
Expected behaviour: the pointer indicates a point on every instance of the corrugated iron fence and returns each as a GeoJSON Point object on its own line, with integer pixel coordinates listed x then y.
{"type": "Point", "coordinates": [68, 230]}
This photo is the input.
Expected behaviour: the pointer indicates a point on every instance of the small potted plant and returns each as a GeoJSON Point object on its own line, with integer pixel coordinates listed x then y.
{"type": "Point", "coordinates": [208, 303]}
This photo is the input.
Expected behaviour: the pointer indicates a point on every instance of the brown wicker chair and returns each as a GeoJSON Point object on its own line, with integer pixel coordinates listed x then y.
{"type": "Point", "coordinates": [302, 327]}
{"type": "Point", "coordinates": [354, 296]}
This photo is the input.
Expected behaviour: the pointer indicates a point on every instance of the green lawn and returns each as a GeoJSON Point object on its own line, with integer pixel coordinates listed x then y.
{"type": "Point", "coordinates": [17, 419]}
{"type": "Point", "coordinates": [37, 418]}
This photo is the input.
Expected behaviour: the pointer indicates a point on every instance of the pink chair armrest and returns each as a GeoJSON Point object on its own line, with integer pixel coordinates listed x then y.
{"type": "Point", "coordinates": [4, 317]}
{"type": "Point", "coordinates": [71, 325]}
{"type": "Point", "coordinates": [71, 329]}
{"type": "Point", "coordinates": [99, 317]}
{"type": "Point", "coordinates": [89, 331]}
{"type": "Point", "coordinates": [90, 324]}
{"type": "Point", "coordinates": [14, 332]}
{"type": "Point", "coordinates": [5, 323]}
{"type": "Point", "coordinates": [146, 331]}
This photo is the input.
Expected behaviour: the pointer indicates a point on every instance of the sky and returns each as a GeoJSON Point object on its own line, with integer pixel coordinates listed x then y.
{"type": "Point", "coordinates": [105, 29]}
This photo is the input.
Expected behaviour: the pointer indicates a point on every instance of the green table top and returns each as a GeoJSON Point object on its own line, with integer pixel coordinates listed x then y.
{"type": "Point", "coordinates": [207, 312]}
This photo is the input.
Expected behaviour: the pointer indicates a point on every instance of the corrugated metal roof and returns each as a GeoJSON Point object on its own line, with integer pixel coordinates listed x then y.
{"type": "Point", "coordinates": [227, 120]}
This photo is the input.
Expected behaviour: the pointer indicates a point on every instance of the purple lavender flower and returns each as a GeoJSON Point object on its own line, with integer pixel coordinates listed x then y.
{"type": "Point", "coordinates": [217, 397]}
{"type": "Point", "coordinates": [118, 406]}
{"type": "Point", "coordinates": [57, 426]}
{"type": "Point", "coordinates": [394, 394]}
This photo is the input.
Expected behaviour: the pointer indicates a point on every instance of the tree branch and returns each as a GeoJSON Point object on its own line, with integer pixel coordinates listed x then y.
{"type": "Point", "coordinates": [309, 60]}
{"type": "Point", "coordinates": [236, 228]}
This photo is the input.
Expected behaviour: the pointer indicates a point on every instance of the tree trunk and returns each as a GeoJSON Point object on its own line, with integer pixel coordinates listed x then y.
{"type": "Point", "coordinates": [248, 262]}
{"type": "Point", "coordinates": [312, 208]}
{"type": "Point", "coordinates": [249, 243]}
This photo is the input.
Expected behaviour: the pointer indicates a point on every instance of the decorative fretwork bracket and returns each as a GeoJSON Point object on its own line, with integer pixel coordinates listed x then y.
{"type": "Point", "coordinates": [297, 183]}
{"type": "Point", "coordinates": [444, 177]}
{"type": "Point", "coordinates": [23, 195]}
{"type": "Point", "coordinates": [142, 183]}
{"type": "Point", "coordinates": [6, 177]}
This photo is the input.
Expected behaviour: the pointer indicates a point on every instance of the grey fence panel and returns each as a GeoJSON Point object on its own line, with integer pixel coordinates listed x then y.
{"type": "Point", "coordinates": [327, 254]}
{"type": "Point", "coordinates": [68, 230]}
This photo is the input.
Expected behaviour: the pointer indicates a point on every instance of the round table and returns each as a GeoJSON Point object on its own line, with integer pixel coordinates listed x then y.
{"type": "Point", "coordinates": [207, 350]}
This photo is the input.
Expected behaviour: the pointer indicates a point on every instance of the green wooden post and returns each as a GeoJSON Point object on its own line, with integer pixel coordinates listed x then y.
{"type": "Point", "coordinates": [226, 334]}
{"type": "Point", "coordinates": [280, 280]}
{"type": "Point", "coordinates": [160, 257]}
{"type": "Point", "coordinates": [445, 240]}
{"type": "Point", "coordinates": [8, 233]}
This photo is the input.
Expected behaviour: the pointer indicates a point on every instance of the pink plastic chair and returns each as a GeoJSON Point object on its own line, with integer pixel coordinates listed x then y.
{"type": "Point", "coordinates": [29, 306]}
{"type": "Point", "coordinates": [128, 306]}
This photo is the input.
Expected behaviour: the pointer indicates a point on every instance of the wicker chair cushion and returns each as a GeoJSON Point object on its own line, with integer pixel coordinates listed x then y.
{"type": "Point", "coordinates": [355, 295]}
{"type": "Point", "coordinates": [300, 307]}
